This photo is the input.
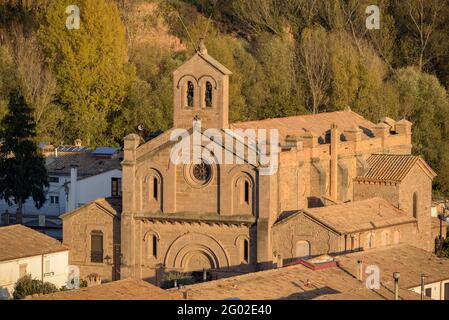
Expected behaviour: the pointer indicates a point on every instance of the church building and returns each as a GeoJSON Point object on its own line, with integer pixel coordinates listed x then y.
{"type": "Point", "coordinates": [341, 184]}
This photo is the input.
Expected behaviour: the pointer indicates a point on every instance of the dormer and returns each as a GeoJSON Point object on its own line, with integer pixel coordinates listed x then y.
{"type": "Point", "coordinates": [201, 90]}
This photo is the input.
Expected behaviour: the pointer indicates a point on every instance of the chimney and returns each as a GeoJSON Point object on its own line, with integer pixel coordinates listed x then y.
{"type": "Point", "coordinates": [396, 276]}
{"type": "Point", "coordinates": [359, 270]}
{"type": "Point", "coordinates": [280, 262]}
{"type": "Point", "coordinates": [335, 140]}
{"type": "Point", "coordinates": [56, 152]}
{"type": "Point", "coordinates": [78, 143]}
{"type": "Point", "coordinates": [423, 276]}
{"type": "Point", "coordinates": [73, 185]}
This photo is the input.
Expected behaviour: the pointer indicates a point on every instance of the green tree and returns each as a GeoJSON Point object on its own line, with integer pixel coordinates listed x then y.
{"type": "Point", "coordinates": [424, 101]}
{"type": "Point", "coordinates": [22, 167]}
{"type": "Point", "coordinates": [90, 65]}
{"type": "Point", "coordinates": [27, 286]}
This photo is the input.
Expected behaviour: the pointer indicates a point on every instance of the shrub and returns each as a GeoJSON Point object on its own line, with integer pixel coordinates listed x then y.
{"type": "Point", "coordinates": [27, 286]}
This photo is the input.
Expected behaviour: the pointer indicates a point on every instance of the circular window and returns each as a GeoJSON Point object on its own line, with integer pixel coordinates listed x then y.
{"type": "Point", "coordinates": [198, 175]}
{"type": "Point", "coordinates": [202, 172]}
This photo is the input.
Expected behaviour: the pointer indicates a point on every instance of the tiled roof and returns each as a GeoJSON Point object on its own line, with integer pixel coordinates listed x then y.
{"type": "Point", "coordinates": [360, 215]}
{"type": "Point", "coordinates": [88, 164]}
{"type": "Point", "coordinates": [317, 124]}
{"type": "Point", "coordinates": [128, 289]}
{"type": "Point", "coordinates": [111, 205]}
{"type": "Point", "coordinates": [18, 241]}
{"type": "Point", "coordinates": [290, 283]}
{"type": "Point", "coordinates": [390, 167]}
{"type": "Point", "coordinates": [411, 262]}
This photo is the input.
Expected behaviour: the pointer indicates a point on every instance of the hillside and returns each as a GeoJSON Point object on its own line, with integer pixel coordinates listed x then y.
{"type": "Point", "coordinates": [288, 57]}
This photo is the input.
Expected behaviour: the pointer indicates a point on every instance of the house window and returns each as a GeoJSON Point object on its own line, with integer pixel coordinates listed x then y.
{"type": "Point", "coordinates": [415, 205]}
{"type": "Point", "coordinates": [116, 187]}
{"type": "Point", "coordinates": [190, 94]}
{"type": "Point", "coordinates": [47, 268]}
{"type": "Point", "coordinates": [54, 200]}
{"type": "Point", "coordinates": [246, 251]}
{"type": "Point", "coordinates": [208, 95]}
{"type": "Point", "coordinates": [96, 249]}
{"type": "Point", "coordinates": [23, 270]}
{"type": "Point", "coordinates": [53, 179]}
{"type": "Point", "coordinates": [247, 192]}
{"type": "Point", "coordinates": [155, 188]}
{"type": "Point", "coordinates": [154, 246]}
{"type": "Point", "coordinates": [429, 292]}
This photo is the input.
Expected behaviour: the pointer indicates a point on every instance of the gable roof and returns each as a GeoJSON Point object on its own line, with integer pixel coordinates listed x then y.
{"type": "Point", "coordinates": [393, 168]}
{"type": "Point", "coordinates": [87, 162]}
{"type": "Point", "coordinates": [295, 282]}
{"type": "Point", "coordinates": [316, 124]}
{"type": "Point", "coordinates": [18, 241]}
{"type": "Point", "coordinates": [111, 206]}
{"type": "Point", "coordinates": [356, 216]}
{"type": "Point", "coordinates": [128, 289]}
{"type": "Point", "coordinates": [214, 63]}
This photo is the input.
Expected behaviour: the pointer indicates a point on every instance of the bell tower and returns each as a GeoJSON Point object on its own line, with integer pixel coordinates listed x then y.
{"type": "Point", "coordinates": [201, 91]}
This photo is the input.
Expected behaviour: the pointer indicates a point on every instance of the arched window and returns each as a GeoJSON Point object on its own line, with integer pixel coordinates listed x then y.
{"type": "Point", "coordinates": [96, 246]}
{"type": "Point", "coordinates": [154, 246]}
{"type": "Point", "coordinates": [247, 192]}
{"type": "Point", "coordinates": [415, 205]}
{"type": "Point", "coordinates": [190, 94]}
{"type": "Point", "coordinates": [246, 251]}
{"type": "Point", "coordinates": [208, 95]}
{"type": "Point", "coordinates": [155, 189]}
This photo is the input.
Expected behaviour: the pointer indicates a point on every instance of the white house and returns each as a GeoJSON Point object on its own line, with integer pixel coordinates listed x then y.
{"type": "Point", "coordinates": [26, 251]}
{"type": "Point", "coordinates": [94, 173]}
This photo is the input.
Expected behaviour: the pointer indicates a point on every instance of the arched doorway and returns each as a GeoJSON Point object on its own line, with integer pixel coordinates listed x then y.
{"type": "Point", "coordinates": [198, 261]}
{"type": "Point", "coordinates": [302, 249]}
{"type": "Point", "coordinates": [196, 252]}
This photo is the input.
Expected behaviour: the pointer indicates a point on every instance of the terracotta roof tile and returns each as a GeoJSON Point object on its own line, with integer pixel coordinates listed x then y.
{"type": "Point", "coordinates": [411, 262]}
{"type": "Point", "coordinates": [317, 124]}
{"type": "Point", "coordinates": [128, 289]}
{"type": "Point", "coordinates": [390, 167]}
{"type": "Point", "coordinates": [290, 283]}
{"type": "Point", "coordinates": [18, 241]}
{"type": "Point", "coordinates": [360, 215]}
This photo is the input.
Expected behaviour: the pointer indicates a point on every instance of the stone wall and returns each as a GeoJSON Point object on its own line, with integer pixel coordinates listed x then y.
{"type": "Point", "coordinates": [187, 247]}
{"type": "Point", "coordinates": [77, 229]}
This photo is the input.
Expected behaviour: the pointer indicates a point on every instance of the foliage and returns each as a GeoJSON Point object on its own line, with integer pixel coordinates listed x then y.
{"type": "Point", "coordinates": [90, 65]}
{"type": "Point", "coordinates": [22, 166]}
{"type": "Point", "coordinates": [288, 57]}
{"type": "Point", "coordinates": [180, 278]}
{"type": "Point", "coordinates": [424, 101]}
{"type": "Point", "coordinates": [27, 286]}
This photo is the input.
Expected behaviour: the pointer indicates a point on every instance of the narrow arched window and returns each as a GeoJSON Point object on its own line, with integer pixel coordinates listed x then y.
{"type": "Point", "coordinates": [246, 251]}
{"type": "Point", "coordinates": [96, 246]}
{"type": "Point", "coordinates": [247, 192]}
{"type": "Point", "coordinates": [208, 95]}
{"type": "Point", "coordinates": [155, 188]}
{"type": "Point", "coordinates": [415, 205]}
{"type": "Point", "coordinates": [154, 246]}
{"type": "Point", "coordinates": [190, 94]}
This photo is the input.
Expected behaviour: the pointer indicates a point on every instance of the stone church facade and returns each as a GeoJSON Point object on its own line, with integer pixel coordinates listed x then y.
{"type": "Point", "coordinates": [230, 218]}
